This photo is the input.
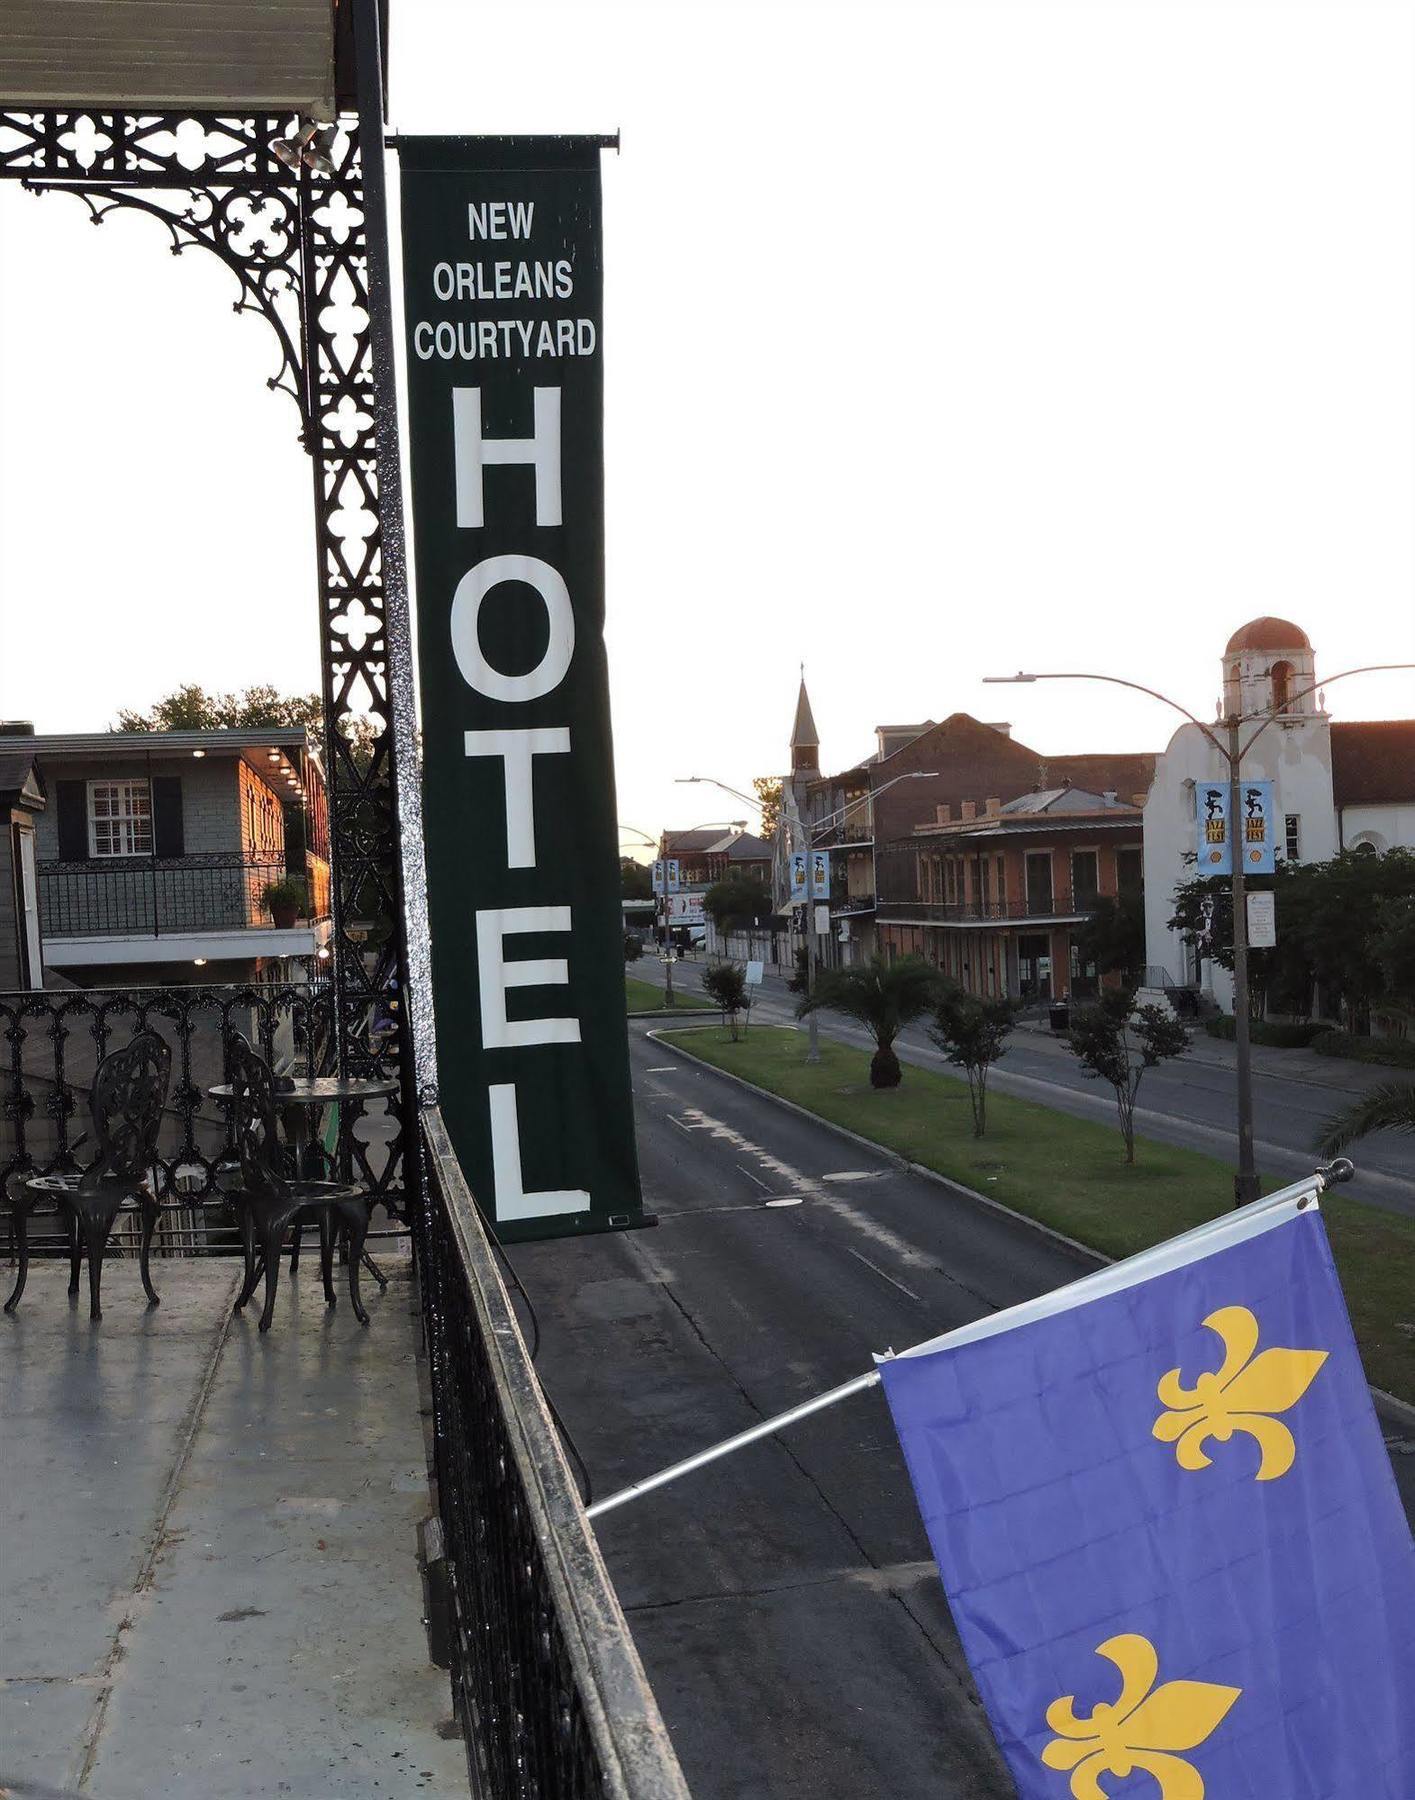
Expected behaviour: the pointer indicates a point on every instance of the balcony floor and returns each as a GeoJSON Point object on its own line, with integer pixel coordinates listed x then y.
{"type": "Point", "coordinates": [208, 1575]}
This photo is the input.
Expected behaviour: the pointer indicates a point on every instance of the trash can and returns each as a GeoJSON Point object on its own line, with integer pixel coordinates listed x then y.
{"type": "Point", "coordinates": [1060, 1015]}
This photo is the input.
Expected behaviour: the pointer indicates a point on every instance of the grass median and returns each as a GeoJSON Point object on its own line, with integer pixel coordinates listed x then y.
{"type": "Point", "coordinates": [648, 996]}
{"type": "Point", "coordinates": [1068, 1173]}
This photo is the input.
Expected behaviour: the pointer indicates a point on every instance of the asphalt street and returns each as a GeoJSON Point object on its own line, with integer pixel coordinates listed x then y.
{"type": "Point", "coordinates": [1189, 1101]}
{"type": "Point", "coordinates": [784, 1600]}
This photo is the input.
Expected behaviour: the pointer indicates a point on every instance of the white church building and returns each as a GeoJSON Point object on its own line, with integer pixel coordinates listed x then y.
{"type": "Point", "coordinates": [1336, 786]}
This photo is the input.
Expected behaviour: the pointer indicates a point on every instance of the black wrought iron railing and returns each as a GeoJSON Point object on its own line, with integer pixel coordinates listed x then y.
{"type": "Point", "coordinates": [147, 896]}
{"type": "Point", "coordinates": [1060, 903]}
{"type": "Point", "coordinates": [52, 1040]}
{"type": "Point", "coordinates": [549, 1688]}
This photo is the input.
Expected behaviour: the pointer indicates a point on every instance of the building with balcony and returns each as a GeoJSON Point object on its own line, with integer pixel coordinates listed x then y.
{"type": "Point", "coordinates": [917, 778]}
{"type": "Point", "coordinates": [995, 899]}
{"type": "Point", "coordinates": [180, 856]}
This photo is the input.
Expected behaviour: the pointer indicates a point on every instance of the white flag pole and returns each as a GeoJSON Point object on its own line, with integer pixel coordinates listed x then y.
{"type": "Point", "coordinates": [1102, 1281]}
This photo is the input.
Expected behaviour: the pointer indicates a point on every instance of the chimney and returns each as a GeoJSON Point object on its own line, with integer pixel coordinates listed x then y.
{"type": "Point", "coordinates": [1110, 796]}
{"type": "Point", "coordinates": [969, 810]}
{"type": "Point", "coordinates": [992, 806]}
{"type": "Point", "coordinates": [16, 728]}
{"type": "Point", "coordinates": [943, 815]}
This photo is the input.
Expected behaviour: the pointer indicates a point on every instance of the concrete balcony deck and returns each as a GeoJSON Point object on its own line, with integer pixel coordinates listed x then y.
{"type": "Point", "coordinates": [208, 1568]}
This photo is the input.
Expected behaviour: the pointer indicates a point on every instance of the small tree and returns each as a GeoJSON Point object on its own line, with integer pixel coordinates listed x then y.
{"type": "Point", "coordinates": [633, 946]}
{"type": "Point", "coordinates": [1113, 936]}
{"type": "Point", "coordinates": [884, 997]}
{"type": "Point", "coordinates": [800, 981]}
{"type": "Point", "coordinates": [972, 1032]}
{"type": "Point", "coordinates": [726, 983]}
{"type": "Point", "coordinates": [635, 880]}
{"type": "Point", "coordinates": [737, 902]}
{"type": "Point", "coordinates": [1117, 1042]}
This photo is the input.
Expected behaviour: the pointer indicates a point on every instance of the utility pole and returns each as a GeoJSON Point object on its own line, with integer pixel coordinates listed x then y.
{"type": "Point", "coordinates": [1245, 1182]}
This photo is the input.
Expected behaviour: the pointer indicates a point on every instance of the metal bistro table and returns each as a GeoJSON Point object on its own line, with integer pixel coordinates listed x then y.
{"type": "Point", "coordinates": [296, 1095]}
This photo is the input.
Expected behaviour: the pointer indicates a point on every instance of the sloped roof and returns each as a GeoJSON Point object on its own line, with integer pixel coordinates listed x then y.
{"type": "Point", "coordinates": [1373, 761]}
{"type": "Point", "coordinates": [18, 772]}
{"type": "Point", "coordinates": [1124, 772]}
{"type": "Point", "coordinates": [736, 846]}
{"type": "Point", "coordinates": [803, 730]}
{"type": "Point", "coordinates": [1269, 633]}
{"type": "Point", "coordinates": [1067, 800]}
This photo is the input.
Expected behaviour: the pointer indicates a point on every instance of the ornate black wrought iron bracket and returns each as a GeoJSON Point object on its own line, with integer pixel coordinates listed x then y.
{"type": "Point", "coordinates": [295, 242]}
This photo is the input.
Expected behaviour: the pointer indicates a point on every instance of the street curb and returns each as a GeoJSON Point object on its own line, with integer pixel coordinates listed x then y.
{"type": "Point", "coordinates": [1400, 1412]}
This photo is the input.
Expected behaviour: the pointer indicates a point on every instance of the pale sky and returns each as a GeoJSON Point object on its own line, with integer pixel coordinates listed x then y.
{"type": "Point", "coordinates": [940, 339]}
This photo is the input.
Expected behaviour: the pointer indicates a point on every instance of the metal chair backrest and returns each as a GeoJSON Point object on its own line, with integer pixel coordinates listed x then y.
{"type": "Point", "coordinates": [253, 1118]}
{"type": "Point", "coordinates": [129, 1093]}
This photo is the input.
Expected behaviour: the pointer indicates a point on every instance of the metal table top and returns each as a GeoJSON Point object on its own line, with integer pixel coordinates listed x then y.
{"type": "Point", "coordinates": [318, 1090]}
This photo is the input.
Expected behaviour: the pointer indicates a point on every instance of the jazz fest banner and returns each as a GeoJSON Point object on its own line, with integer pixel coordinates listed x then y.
{"type": "Point", "coordinates": [1256, 829]}
{"type": "Point", "coordinates": [503, 316]}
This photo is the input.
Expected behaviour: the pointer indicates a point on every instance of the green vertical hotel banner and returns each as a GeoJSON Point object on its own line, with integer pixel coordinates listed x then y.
{"type": "Point", "coordinates": [503, 282]}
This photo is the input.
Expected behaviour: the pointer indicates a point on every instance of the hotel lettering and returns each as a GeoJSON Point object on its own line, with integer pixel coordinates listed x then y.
{"type": "Point", "coordinates": [503, 318]}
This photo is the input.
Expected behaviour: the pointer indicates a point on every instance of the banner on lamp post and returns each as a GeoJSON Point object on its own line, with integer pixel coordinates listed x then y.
{"type": "Point", "coordinates": [502, 300]}
{"type": "Point", "coordinates": [1254, 829]}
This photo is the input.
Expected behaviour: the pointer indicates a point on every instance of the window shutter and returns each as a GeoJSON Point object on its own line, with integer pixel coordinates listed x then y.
{"type": "Point", "coordinates": [167, 815]}
{"type": "Point", "coordinates": [73, 821]}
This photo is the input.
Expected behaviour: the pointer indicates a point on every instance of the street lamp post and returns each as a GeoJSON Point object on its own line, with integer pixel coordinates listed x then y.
{"type": "Point", "coordinates": [1246, 1180]}
{"type": "Point", "coordinates": [813, 835]}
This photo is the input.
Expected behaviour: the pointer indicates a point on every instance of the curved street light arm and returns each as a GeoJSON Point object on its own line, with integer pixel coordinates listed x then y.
{"type": "Point", "coordinates": [1118, 681]}
{"type": "Point", "coordinates": [1366, 669]}
{"type": "Point", "coordinates": [712, 781]}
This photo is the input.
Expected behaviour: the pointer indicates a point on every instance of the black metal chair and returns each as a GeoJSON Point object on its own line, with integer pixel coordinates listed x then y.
{"type": "Point", "coordinates": [268, 1202]}
{"type": "Point", "coordinates": [126, 1102]}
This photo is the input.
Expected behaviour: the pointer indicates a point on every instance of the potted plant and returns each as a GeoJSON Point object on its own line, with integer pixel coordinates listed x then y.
{"type": "Point", "coordinates": [284, 900]}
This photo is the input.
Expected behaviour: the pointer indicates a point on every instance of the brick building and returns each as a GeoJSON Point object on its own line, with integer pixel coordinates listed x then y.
{"type": "Point", "coordinates": [960, 769]}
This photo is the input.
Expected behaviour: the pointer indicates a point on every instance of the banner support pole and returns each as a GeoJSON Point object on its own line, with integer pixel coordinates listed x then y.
{"type": "Point", "coordinates": [1316, 1183]}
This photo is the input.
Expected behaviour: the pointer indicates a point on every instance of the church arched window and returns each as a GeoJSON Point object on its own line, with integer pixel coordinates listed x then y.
{"type": "Point", "coordinates": [1280, 675]}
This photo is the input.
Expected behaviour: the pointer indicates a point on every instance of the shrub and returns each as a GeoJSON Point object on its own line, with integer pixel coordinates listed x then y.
{"type": "Point", "coordinates": [726, 983]}
{"type": "Point", "coordinates": [1393, 1053]}
{"type": "Point", "coordinates": [289, 891]}
{"type": "Point", "coordinates": [1272, 1032]}
{"type": "Point", "coordinates": [633, 947]}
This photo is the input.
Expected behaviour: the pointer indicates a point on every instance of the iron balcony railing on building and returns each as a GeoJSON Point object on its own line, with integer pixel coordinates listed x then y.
{"type": "Point", "coordinates": [52, 1040]}
{"type": "Point", "coordinates": [149, 896]}
{"type": "Point", "coordinates": [1060, 904]}
{"type": "Point", "coordinates": [845, 906]}
{"type": "Point", "coordinates": [548, 1686]}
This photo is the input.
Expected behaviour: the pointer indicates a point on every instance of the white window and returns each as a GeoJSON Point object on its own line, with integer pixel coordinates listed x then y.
{"type": "Point", "coordinates": [1293, 836]}
{"type": "Point", "coordinates": [119, 818]}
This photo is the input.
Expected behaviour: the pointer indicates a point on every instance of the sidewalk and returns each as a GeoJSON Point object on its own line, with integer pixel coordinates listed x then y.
{"type": "Point", "coordinates": [1335, 1074]}
{"type": "Point", "coordinates": [209, 1583]}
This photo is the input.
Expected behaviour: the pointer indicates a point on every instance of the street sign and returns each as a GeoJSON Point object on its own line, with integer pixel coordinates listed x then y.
{"type": "Point", "coordinates": [822, 920]}
{"type": "Point", "coordinates": [754, 974]}
{"type": "Point", "coordinates": [1262, 921]}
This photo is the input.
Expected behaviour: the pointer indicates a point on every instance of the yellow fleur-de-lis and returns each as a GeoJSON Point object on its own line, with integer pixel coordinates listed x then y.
{"type": "Point", "coordinates": [1242, 1396]}
{"type": "Point", "coordinates": [1140, 1730]}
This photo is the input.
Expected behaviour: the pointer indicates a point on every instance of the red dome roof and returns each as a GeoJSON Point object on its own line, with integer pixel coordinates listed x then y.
{"type": "Point", "coordinates": [1269, 634]}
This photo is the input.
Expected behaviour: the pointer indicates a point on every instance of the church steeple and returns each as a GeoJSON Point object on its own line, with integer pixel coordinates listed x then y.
{"type": "Point", "coordinates": [805, 743]}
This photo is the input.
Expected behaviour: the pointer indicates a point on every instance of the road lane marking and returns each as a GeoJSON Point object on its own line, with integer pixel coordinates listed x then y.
{"type": "Point", "coordinates": [882, 1275]}
{"type": "Point", "coordinates": [807, 1186]}
{"type": "Point", "coordinates": [765, 1186]}
{"type": "Point", "coordinates": [687, 1130]}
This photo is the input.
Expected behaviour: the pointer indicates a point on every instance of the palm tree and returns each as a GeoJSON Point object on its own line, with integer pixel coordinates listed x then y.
{"type": "Point", "coordinates": [1389, 1107]}
{"type": "Point", "coordinates": [884, 997]}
